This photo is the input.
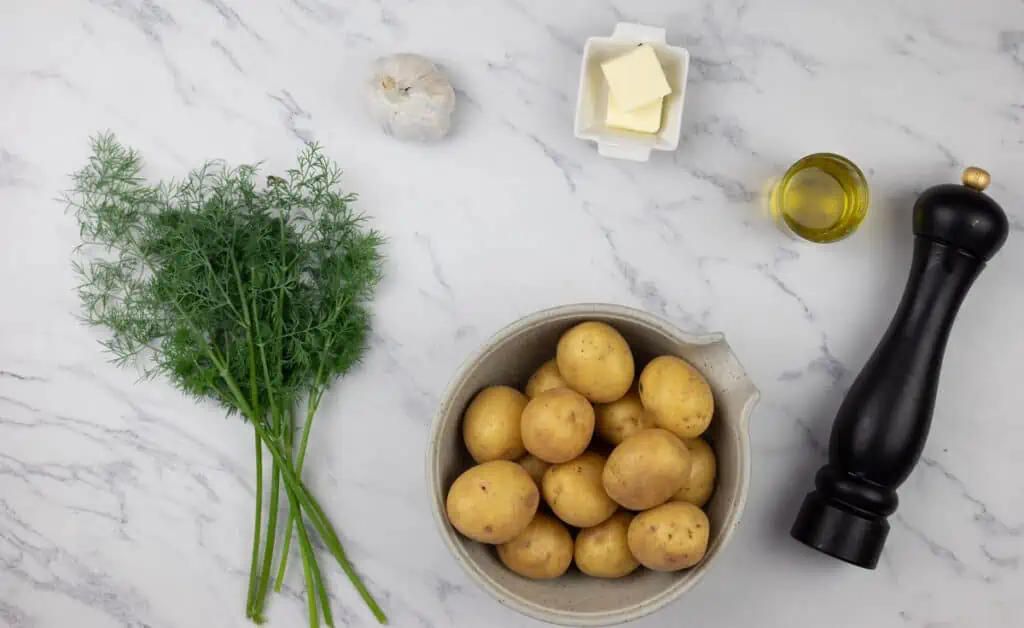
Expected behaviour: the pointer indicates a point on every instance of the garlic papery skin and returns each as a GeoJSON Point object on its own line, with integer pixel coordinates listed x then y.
{"type": "Point", "coordinates": [410, 98]}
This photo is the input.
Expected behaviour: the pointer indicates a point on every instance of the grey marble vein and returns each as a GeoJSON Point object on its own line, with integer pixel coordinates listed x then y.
{"type": "Point", "coordinates": [148, 16]}
{"type": "Point", "coordinates": [231, 17]}
{"type": "Point", "coordinates": [293, 113]}
{"type": "Point", "coordinates": [435, 265]}
{"type": "Point", "coordinates": [944, 554]}
{"type": "Point", "coordinates": [231, 59]}
{"type": "Point", "coordinates": [983, 516]}
{"type": "Point", "coordinates": [1011, 43]}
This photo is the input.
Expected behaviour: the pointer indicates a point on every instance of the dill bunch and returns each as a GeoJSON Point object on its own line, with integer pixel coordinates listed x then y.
{"type": "Point", "coordinates": [254, 297]}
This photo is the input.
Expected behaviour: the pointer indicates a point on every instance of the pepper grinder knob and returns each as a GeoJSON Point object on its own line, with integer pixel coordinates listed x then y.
{"type": "Point", "coordinates": [880, 429]}
{"type": "Point", "coordinates": [976, 178]}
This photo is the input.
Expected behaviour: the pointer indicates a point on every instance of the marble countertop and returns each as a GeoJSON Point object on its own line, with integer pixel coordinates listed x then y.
{"type": "Point", "coordinates": [122, 504]}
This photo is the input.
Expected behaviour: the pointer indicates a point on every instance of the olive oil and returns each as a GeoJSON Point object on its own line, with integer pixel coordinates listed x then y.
{"type": "Point", "coordinates": [821, 198]}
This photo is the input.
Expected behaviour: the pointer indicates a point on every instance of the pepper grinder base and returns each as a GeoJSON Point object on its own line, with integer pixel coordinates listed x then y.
{"type": "Point", "coordinates": [840, 532]}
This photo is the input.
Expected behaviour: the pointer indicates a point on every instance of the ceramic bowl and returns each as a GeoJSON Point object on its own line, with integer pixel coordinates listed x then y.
{"type": "Point", "coordinates": [510, 357]}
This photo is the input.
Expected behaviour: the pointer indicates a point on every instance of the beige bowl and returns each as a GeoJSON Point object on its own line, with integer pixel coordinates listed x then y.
{"type": "Point", "coordinates": [510, 358]}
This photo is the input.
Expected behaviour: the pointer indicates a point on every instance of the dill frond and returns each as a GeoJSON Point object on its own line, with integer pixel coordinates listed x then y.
{"type": "Point", "coordinates": [252, 296]}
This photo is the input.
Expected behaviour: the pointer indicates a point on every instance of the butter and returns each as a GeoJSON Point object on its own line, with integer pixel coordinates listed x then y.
{"type": "Point", "coordinates": [636, 78]}
{"type": "Point", "coordinates": [646, 119]}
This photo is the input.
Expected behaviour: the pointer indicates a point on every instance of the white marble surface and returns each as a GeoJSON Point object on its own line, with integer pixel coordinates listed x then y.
{"type": "Point", "coordinates": [123, 504]}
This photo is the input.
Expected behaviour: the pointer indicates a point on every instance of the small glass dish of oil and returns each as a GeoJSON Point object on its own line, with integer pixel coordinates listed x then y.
{"type": "Point", "coordinates": [821, 198]}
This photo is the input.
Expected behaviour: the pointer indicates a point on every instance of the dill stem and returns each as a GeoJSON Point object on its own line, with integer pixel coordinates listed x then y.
{"type": "Point", "coordinates": [258, 519]}
{"type": "Point", "coordinates": [311, 569]}
{"type": "Point", "coordinates": [320, 522]}
{"type": "Point", "coordinates": [268, 551]}
{"type": "Point", "coordinates": [315, 584]}
{"type": "Point", "coordinates": [289, 432]}
{"type": "Point", "coordinates": [314, 616]}
{"type": "Point", "coordinates": [253, 602]}
{"type": "Point", "coordinates": [314, 403]}
{"type": "Point", "coordinates": [275, 486]}
{"type": "Point", "coordinates": [271, 529]}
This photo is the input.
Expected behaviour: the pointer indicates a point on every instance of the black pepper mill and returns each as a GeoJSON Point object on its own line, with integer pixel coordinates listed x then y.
{"type": "Point", "coordinates": [881, 427]}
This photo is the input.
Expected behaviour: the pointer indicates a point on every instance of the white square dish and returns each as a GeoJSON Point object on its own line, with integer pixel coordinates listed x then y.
{"type": "Point", "coordinates": [591, 102]}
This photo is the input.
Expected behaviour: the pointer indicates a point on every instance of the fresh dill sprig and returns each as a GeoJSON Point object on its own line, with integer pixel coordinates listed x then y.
{"type": "Point", "coordinates": [252, 296]}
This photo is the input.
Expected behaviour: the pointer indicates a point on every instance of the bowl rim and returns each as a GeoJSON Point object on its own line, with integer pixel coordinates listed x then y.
{"type": "Point", "coordinates": [481, 578]}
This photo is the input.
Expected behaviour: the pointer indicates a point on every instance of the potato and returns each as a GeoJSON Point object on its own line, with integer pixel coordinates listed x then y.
{"type": "Point", "coordinates": [557, 425]}
{"type": "Point", "coordinates": [546, 378]}
{"type": "Point", "coordinates": [574, 492]}
{"type": "Point", "coordinates": [646, 470]}
{"type": "Point", "coordinates": [616, 421]}
{"type": "Point", "coordinates": [542, 551]}
{"type": "Point", "coordinates": [596, 361]}
{"type": "Point", "coordinates": [492, 502]}
{"type": "Point", "coordinates": [677, 395]}
{"type": "Point", "coordinates": [603, 550]}
{"type": "Point", "coordinates": [670, 537]}
{"type": "Point", "coordinates": [491, 425]}
{"type": "Point", "coordinates": [703, 467]}
{"type": "Point", "coordinates": [535, 467]}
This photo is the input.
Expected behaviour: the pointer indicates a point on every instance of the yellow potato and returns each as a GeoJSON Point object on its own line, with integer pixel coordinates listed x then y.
{"type": "Point", "coordinates": [603, 550]}
{"type": "Point", "coordinates": [535, 467]}
{"type": "Point", "coordinates": [542, 551]}
{"type": "Point", "coordinates": [596, 361]}
{"type": "Point", "coordinates": [491, 426]}
{"type": "Point", "coordinates": [546, 378]}
{"type": "Point", "coordinates": [492, 502]}
{"type": "Point", "coordinates": [677, 395]}
{"type": "Point", "coordinates": [557, 425]}
{"type": "Point", "coordinates": [620, 419]}
{"type": "Point", "coordinates": [670, 537]}
{"type": "Point", "coordinates": [646, 470]}
{"type": "Point", "coordinates": [574, 492]}
{"type": "Point", "coordinates": [703, 468]}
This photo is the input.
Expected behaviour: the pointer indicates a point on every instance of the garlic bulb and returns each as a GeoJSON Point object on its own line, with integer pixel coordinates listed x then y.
{"type": "Point", "coordinates": [410, 98]}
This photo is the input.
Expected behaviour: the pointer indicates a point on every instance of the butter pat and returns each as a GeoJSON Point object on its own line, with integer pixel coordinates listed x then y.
{"type": "Point", "coordinates": [646, 119]}
{"type": "Point", "coordinates": [636, 78]}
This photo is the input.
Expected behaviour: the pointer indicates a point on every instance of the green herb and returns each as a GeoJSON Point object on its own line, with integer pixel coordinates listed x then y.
{"type": "Point", "coordinates": [254, 297]}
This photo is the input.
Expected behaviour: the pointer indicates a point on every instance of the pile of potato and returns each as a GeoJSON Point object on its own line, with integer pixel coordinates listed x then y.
{"type": "Point", "coordinates": [639, 506]}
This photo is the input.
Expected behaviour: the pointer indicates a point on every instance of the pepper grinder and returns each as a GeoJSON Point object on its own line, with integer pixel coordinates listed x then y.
{"type": "Point", "coordinates": [881, 427]}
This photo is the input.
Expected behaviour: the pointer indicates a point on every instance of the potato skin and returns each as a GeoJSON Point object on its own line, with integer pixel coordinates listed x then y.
{"type": "Point", "coordinates": [646, 470]}
{"type": "Point", "coordinates": [535, 467]}
{"type": "Point", "coordinates": [620, 419]}
{"type": "Point", "coordinates": [596, 361]}
{"type": "Point", "coordinates": [574, 492]}
{"type": "Point", "coordinates": [542, 551]}
{"type": "Point", "coordinates": [491, 426]}
{"type": "Point", "coordinates": [677, 395]}
{"type": "Point", "coordinates": [671, 537]}
{"type": "Point", "coordinates": [603, 550]}
{"type": "Point", "coordinates": [557, 425]}
{"type": "Point", "coordinates": [703, 469]}
{"type": "Point", "coordinates": [492, 502]}
{"type": "Point", "coordinates": [545, 378]}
